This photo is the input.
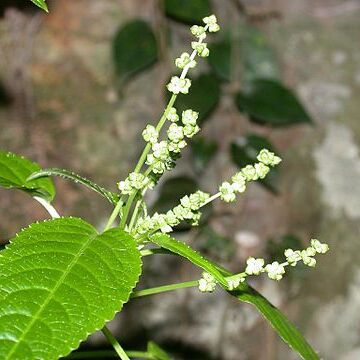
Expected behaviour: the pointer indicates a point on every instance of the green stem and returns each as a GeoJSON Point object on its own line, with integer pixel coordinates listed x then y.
{"type": "Point", "coordinates": [165, 288]}
{"type": "Point", "coordinates": [117, 347]}
{"type": "Point", "coordinates": [134, 214]}
{"type": "Point", "coordinates": [127, 209]}
{"type": "Point", "coordinates": [114, 214]}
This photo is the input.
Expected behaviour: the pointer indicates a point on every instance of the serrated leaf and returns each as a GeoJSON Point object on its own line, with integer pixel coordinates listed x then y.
{"type": "Point", "coordinates": [60, 281]}
{"type": "Point", "coordinates": [134, 48]}
{"type": "Point", "coordinates": [188, 11]}
{"type": "Point", "coordinates": [65, 174]}
{"type": "Point", "coordinates": [157, 352]}
{"type": "Point", "coordinates": [14, 171]}
{"type": "Point", "coordinates": [204, 96]}
{"type": "Point", "coordinates": [203, 151]}
{"type": "Point", "coordinates": [269, 102]}
{"type": "Point", "coordinates": [41, 4]}
{"type": "Point", "coordinates": [178, 247]}
{"type": "Point", "coordinates": [244, 151]}
{"type": "Point", "coordinates": [281, 324]}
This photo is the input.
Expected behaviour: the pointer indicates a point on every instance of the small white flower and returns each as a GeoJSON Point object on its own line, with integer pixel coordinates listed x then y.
{"type": "Point", "coordinates": [261, 170]}
{"type": "Point", "coordinates": [189, 117]}
{"type": "Point", "coordinates": [125, 187]}
{"type": "Point", "coordinates": [227, 192]}
{"type": "Point", "coordinates": [211, 21]}
{"type": "Point", "coordinates": [190, 130]}
{"type": "Point", "coordinates": [250, 173]}
{"type": "Point", "coordinates": [197, 30]}
{"type": "Point", "coordinates": [185, 61]}
{"type": "Point", "coordinates": [254, 266]}
{"type": "Point", "coordinates": [178, 85]}
{"type": "Point", "coordinates": [207, 283]}
{"type": "Point", "coordinates": [319, 247]}
{"type": "Point", "coordinates": [160, 150]}
{"type": "Point", "coordinates": [268, 158]}
{"type": "Point", "coordinates": [275, 271]}
{"type": "Point", "coordinates": [239, 182]}
{"type": "Point", "coordinates": [137, 180]}
{"type": "Point", "coordinates": [177, 147]}
{"type": "Point", "coordinates": [292, 257]}
{"type": "Point", "coordinates": [201, 48]}
{"type": "Point", "coordinates": [175, 133]}
{"type": "Point", "coordinates": [307, 257]}
{"type": "Point", "coordinates": [150, 134]}
{"type": "Point", "coordinates": [172, 115]}
{"type": "Point", "coordinates": [234, 281]}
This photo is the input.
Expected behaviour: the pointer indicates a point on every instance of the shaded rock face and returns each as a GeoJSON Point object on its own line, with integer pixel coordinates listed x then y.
{"type": "Point", "coordinates": [66, 111]}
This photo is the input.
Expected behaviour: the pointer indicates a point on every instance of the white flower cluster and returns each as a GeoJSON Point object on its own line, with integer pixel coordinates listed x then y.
{"type": "Point", "coordinates": [160, 159]}
{"type": "Point", "coordinates": [178, 85]}
{"type": "Point", "coordinates": [135, 181]}
{"type": "Point", "coordinates": [207, 283]}
{"type": "Point", "coordinates": [188, 210]}
{"type": "Point", "coordinates": [275, 270]}
{"type": "Point", "coordinates": [185, 61]}
{"type": "Point", "coordinates": [229, 190]}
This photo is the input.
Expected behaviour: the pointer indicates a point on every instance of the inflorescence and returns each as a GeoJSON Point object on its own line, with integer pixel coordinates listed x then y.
{"type": "Point", "coordinates": [160, 155]}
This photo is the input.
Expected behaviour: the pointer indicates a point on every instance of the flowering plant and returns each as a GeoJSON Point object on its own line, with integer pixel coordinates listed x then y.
{"type": "Point", "coordinates": [54, 274]}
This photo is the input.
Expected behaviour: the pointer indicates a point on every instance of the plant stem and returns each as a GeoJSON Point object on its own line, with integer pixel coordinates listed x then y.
{"type": "Point", "coordinates": [165, 288]}
{"type": "Point", "coordinates": [48, 207]}
{"type": "Point", "coordinates": [117, 347]}
{"type": "Point", "coordinates": [134, 214]}
{"type": "Point", "coordinates": [114, 214]}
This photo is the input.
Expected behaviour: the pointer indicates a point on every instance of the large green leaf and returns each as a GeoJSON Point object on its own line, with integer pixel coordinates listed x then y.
{"type": "Point", "coordinates": [59, 282]}
{"type": "Point", "coordinates": [285, 329]}
{"type": "Point", "coordinates": [244, 151]}
{"type": "Point", "coordinates": [188, 11]}
{"type": "Point", "coordinates": [134, 48]}
{"type": "Point", "coordinates": [112, 197]}
{"type": "Point", "coordinates": [14, 171]}
{"type": "Point", "coordinates": [41, 4]}
{"type": "Point", "coordinates": [204, 96]}
{"type": "Point", "coordinates": [178, 247]}
{"type": "Point", "coordinates": [269, 102]}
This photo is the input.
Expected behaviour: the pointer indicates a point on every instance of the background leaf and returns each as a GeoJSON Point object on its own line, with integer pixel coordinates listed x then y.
{"type": "Point", "coordinates": [244, 151]}
{"type": "Point", "coordinates": [220, 59]}
{"type": "Point", "coordinates": [204, 96]}
{"type": "Point", "coordinates": [187, 11]}
{"type": "Point", "coordinates": [269, 102]}
{"type": "Point", "coordinates": [41, 4]}
{"type": "Point", "coordinates": [65, 174]}
{"type": "Point", "coordinates": [60, 281]}
{"type": "Point", "coordinates": [14, 171]}
{"type": "Point", "coordinates": [134, 48]}
{"type": "Point", "coordinates": [203, 150]}
{"type": "Point", "coordinates": [156, 351]}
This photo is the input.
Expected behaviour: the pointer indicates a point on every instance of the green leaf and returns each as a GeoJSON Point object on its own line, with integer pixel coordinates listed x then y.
{"type": "Point", "coordinates": [244, 151]}
{"type": "Point", "coordinates": [14, 171]}
{"type": "Point", "coordinates": [281, 324]}
{"type": "Point", "coordinates": [220, 59]}
{"type": "Point", "coordinates": [269, 102]}
{"type": "Point", "coordinates": [112, 197]}
{"type": "Point", "coordinates": [285, 329]}
{"type": "Point", "coordinates": [61, 281]}
{"type": "Point", "coordinates": [41, 4]}
{"type": "Point", "coordinates": [134, 49]}
{"type": "Point", "coordinates": [188, 11]}
{"type": "Point", "coordinates": [178, 247]}
{"type": "Point", "coordinates": [156, 351]}
{"type": "Point", "coordinates": [204, 96]}
{"type": "Point", "coordinates": [203, 151]}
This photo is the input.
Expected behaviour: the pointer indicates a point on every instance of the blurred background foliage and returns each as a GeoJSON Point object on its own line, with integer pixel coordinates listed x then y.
{"type": "Point", "coordinates": [78, 86]}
